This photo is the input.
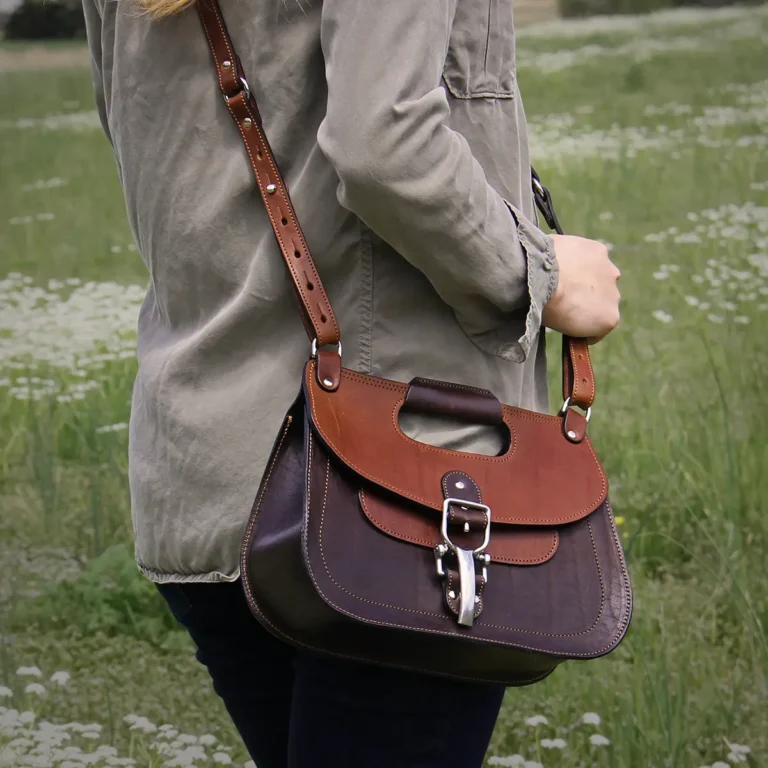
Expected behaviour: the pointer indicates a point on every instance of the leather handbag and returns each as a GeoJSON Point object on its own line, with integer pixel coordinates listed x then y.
{"type": "Point", "coordinates": [366, 544]}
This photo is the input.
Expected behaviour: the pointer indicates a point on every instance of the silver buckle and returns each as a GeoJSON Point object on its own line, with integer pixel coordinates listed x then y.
{"type": "Point", "coordinates": [246, 91]}
{"type": "Point", "coordinates": [465, 558]}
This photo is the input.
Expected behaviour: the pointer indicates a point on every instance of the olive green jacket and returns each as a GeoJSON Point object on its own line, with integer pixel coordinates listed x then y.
{"type": "Point", "coordinates": [400, 131]}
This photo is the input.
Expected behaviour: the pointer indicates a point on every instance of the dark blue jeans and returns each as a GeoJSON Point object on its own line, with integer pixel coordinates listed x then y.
{"type": "Point", "coordinates": [299, 710]}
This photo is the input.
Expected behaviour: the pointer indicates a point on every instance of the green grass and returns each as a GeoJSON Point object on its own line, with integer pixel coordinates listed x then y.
{"type": "Point", "coordinates": [680, 420]}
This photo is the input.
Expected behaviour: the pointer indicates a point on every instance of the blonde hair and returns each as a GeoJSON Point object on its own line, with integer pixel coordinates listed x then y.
{"type": "Point", "coordinates": [160, 9]}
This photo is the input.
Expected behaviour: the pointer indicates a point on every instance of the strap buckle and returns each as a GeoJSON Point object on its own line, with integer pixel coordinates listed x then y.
{"type": "Point", "coordinates": [465, 559]}
{"type": "Point", "coordinates": [245, 90]}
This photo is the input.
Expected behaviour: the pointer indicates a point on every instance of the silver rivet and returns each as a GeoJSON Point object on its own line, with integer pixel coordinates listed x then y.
{"type": "Point", "coordinates": [466, 527]}
{"type": "Point", "coordinates": [547, 266]}
{"type": "Point", "coordinates": [328, 382]}
{"type": "Point", "coordinates": [247, 122]}
{"type": "Point", "coordinates": [271, 188]}
{"type": "Point", "coordinates": [226, 64]}
{"type": "Point", "coordinates": [460, 485]}
{"type": "Point", "coordinates": [477, 599]}
{"type": "Point", "coordinates": [452, 595]}
{"type": "Point", "coordinates": [571, 434]}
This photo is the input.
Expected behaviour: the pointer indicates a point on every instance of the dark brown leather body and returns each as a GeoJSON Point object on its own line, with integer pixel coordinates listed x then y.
{"type": "Point", "coordinates": [321, 575]}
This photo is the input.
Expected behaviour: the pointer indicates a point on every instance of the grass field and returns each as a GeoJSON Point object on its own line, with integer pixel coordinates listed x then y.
{"type": "Point", "coordinates": [653, 133]}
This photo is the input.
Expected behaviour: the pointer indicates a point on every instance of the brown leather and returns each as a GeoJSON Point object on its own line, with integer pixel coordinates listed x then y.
{"type": "Point", "coordinates": [457, 401]}
{"type": "Point", "coordinates": [578, 376]}
{"type": "Point", "coordinates": [317, 569]}
{"type": "Point", "coordinates": [290, 238]}
{"type": "Point", "coordinates": [543, 479]}
{"type": "Point", "coordinates": [420, 525]}
{"type": "Point", "coordinates": [328, 369]}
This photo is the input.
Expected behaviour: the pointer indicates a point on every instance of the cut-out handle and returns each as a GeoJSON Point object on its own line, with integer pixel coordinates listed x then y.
{"type": "Point", "coordinates": [440, 398]}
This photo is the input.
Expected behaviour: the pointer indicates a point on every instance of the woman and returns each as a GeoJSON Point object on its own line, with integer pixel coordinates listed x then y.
{"type": "Point", "coordinates": [400, 132]}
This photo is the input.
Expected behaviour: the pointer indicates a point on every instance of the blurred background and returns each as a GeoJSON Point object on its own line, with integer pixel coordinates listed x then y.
{"type": "Point", "coordinates": [649, 123]}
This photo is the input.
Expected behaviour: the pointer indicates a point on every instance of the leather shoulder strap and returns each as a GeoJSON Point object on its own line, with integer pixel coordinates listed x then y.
{"type": "Point", "coordinates": [317, 313]}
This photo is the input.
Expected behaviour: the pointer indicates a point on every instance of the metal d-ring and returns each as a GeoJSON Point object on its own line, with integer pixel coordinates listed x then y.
{"type": "Point", "coordinates": [567, 405]}
{"type": "Point", "coordinates": [314, 347]}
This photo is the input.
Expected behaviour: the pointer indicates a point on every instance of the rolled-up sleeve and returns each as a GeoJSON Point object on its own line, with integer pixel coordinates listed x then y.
{"type": "Point", "coordinates": [415, 182]}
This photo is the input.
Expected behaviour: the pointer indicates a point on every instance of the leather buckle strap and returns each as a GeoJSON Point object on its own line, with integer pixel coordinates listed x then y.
{"type": "Point", "coordinates": [578, 376]}
{"type": "Point", "coordinates": [319, 319]}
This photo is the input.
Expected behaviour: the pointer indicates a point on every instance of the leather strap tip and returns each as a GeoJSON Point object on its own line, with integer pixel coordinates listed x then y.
{"type": "Point", "coordinates": [574, 425]}
{"type": "Point", "coordinates": [328, 369]}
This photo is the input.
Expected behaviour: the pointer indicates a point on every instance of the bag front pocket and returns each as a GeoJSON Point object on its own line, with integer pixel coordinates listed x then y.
{"type": "Point", "coordinates": [481, 53]}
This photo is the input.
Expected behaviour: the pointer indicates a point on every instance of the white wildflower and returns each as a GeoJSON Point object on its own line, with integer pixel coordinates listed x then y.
{"type": "Point", "coordinates": [598, 740]}
{"type": "Point", "coordinates": [207, 740]}
{"type": "Point", "coordinates": [91, 735]}
{"type": "Point", "coordinates": [36, 689]}
{"type": "Point", "coordinates": [222, 758]}
{"type": "Point", "coordinates": [606, 216]}
{"type": "Point", "coordinates": [662, 316]}
{"type": "Point", "coordinates": [536, 720]}
{"type": "Point", "coordinates": [720, 764]}
{"type": "Point", "coordinates": [61, 677]}
{"type": "Point", "coordinates": [715, 318]}
{"type": "Point", "coordinates": [27, 717]}
{"type": "Point", "coordinates": [508, 761]}
{"type": "Point", "coordinates": [661, 275]}
{"type": "Point", "coordinates": [143, 724]}
{"type": "Point", "coordinates": [553, 743]}
{"type": "Point", "coordinates": [532, 764]}
{"type": "Point", "coordinates": [590, 718]}
{"type": "Point", "coordinates": [5, 692]}
{"type": "Point", "coordinates": [742, 320]}
{"type": "Point", "coordinates": [741, 749]}
{"type": "Point", "coordinates": [29, 672]}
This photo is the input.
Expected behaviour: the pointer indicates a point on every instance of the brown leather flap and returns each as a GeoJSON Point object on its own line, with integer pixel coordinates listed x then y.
{"type": "Point", "coordinates": [543, 479]}
{"type": "Point", "coordinates": [405, 521]}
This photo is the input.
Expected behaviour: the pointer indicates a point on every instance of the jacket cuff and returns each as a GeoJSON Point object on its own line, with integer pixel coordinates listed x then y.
{"type": "Point", "coordinates": [542, 272]}
{"type": "Point", "coordinates": [543, 275]}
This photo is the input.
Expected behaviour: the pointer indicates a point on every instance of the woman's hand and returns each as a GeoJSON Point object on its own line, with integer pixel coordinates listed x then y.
{"type": "Point", "coordinates": [586, 302]}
